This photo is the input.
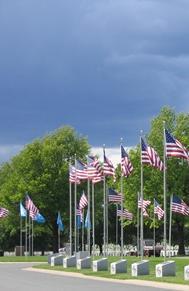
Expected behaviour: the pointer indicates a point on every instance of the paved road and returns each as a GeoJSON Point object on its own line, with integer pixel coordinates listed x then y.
{"type": "Point", "coordinates": [14, 277]}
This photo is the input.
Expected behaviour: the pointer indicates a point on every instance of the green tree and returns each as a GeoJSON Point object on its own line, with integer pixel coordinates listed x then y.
{"type": "Point", "coordinates": [41, 170]}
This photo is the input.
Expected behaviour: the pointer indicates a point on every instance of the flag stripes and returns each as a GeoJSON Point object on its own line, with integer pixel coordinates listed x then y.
{"type": "Point", "coordinates": [179, 206]}
{"type": "Point", "coordinates": [126, 214]}
{"type": "Point", "coordinates": [150, 156]}
{"type": "Point", "coordinates": [126, 166]}
{"type": "Point", "coordinates": [30, 206]}
{"type": "Point", "coordinates": [158, 210]}
{"type": "Point", "coordinates": [174, 148]}
{"type": "Point", "coordinates": [3, 212]}
{"type": "Point", "coordinates": [113, 196]}
{"type": "Point", "coordinates": [83, 201]}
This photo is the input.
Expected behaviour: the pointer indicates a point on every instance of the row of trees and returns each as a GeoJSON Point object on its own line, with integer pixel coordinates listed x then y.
{"type": "Point", "coordinates": [41, 169]}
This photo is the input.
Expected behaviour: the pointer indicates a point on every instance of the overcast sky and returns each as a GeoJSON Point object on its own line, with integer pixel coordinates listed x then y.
{"type": "Point", "coordinates": [105, 67]}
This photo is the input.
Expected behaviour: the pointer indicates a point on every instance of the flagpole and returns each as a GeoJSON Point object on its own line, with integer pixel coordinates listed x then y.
{"type": "Point", "coordinates": [32, 239]}
{"type": "Point", "coordinates": [88, 227]}
{"type": "Point", "coordinates": [93, 217]}
{"type": "Point", "coordinates": [104, 210]}
{"type": "Point", "coordinates": [26, 234]}
{"type": "Point", "coordinates": [107, 220]}
{"type": "Point", "coordinates": [58, 233]}
{"type": "Point", "coordinates": [138, 225]}
{"type": "Point", "coordinates": [20, 231]}
{"type": "Point", "coordinates": [170, 224]}
{"type": "Point", "coordinates": [75, 219]}
{"type": "Point", "coordinates": [116, 228]}
{"type": "Point", "coordinates": [141, 217]}
{"type": "Point", "coordinates": [121, 140]}
{"type": "Point", "coordinates": [164, 192]}
{"type": "Point", "coordinates": [29, 234]}
{"type": "Point", "coordinates": [82, 229]}
{"type": "Point", "coordinates": [70, 194]}
{"type": "Point", "coordinates": [154, 229]}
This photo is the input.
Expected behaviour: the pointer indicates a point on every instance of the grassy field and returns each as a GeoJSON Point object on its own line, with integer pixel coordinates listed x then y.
{"type": "Point", "coordinates": [178, 279]}
{"type": "Point", "coordinates": [23, 259]}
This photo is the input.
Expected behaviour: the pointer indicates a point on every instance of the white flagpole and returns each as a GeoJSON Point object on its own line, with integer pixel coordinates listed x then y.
{"type": "Point", "coordinates": [170, 224]}
{"type": "Point", "coordinates": [89, 215]}
{"type": "Point", "coordinates": [138, 226]}
{"type": "Point", "coordinates": [32, 239]}
{"type": "Point", "coordinates": [70, 193]}
{"type": "Point", "coordinates": [93, 217]}
{"type": "Point", "coordinates": [116, 228]}
{"type": "Point", "coordinates": [82, 229]}
{"type": "Point", "coordinates": [121, 209]}
{"type": "Point", "coordinates": [107, 221]}
{"type": "Point", "coordinates": [20, 231]}
{"type": "Point", "coordinates": [104, 210]}
{"type": "Point", "coordinates": [75, 218]}
{"type": "Point", "coordinates": [26, 235]}
{"type": "Point", "coordinates": [154, 229]}
{"type": "Point", "coordinates": [29, 236]}
{"type": "Point", "coordinates": [164, 192]}
{"type": "Point", "coordinates": [141, 217]}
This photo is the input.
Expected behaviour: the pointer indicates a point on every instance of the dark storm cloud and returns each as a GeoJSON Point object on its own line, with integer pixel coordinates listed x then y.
{"type": "Point", "coordinates": [105, 67]}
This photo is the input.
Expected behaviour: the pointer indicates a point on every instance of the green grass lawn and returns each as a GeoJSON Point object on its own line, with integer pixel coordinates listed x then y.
{"type": "Point", "coordinates": [23, 259]}
{"type": "Point", "coordinates": [179, 278]}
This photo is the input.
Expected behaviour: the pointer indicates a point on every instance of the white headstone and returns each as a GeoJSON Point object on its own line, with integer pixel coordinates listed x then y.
{"type": "Point", "coordinates": [118, 267]}
{"type": "Point", "coordinates": [166, 269]}
{"type": "Point", "coordinates": [100, 265]}
{"type": "Point", "coordinates": [69, 262]}
{"type": "Point", "coordinates": [186, 272]}
{"type": "Point", "coordinates": [84, 263]}
{"type": "Point", "coordinates": [140, 268]}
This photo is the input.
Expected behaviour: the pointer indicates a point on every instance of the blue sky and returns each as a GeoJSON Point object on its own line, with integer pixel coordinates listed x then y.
{"type": "Point", "coordinates": [104, 67]}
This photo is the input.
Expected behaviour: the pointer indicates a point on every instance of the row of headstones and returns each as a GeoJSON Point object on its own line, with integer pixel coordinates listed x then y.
{"type": "Point", "coordinates": [82, 260]}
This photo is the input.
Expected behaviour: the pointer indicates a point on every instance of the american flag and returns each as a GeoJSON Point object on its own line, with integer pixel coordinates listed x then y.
{"type": "Point", "coordinates": [81, 170]}
{"type": "Point", "coordinates": [174, 148]}
{"type": "Point", "coordinates": [94, 170]}
{"type": "Point", "coordinates": [126, 166]}
{"type": "Point", "coordinates": [80, 214]}
{"type": "Point", "coordinates": [83, 201]}
{"type": "Point", "coordinates": [149, 156]}
{"type": "Point", "coordinates": [158, 210]}
{"type": "Point", "coordinates": [3, 212]}
{"type": "Point", "coordinates": [113, 196]}
{"type": "Point", "coordinates": [179, 206]}
{"type": "Point", "coordinates": [146, 203]}
{"type": "Point", "coordinates": [96, 163]}
{"type": "Point", "coordinates": [30, 206]}
{"type": "Point", "coordinates": [72, 175]}
{"type": "Point", "coordinates": [108, 168]}
{"type": "Point", "coordinates": [126, 214]}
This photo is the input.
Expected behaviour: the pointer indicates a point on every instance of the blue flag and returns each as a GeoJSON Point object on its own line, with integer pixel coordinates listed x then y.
{"type": "Point", "coordinates": [87, 221]}
{"type": "Point", "coordinates": [23, 211]}
{"type": "Point", "coordinates": [59, 222]}
{"type": "Point", "coordinates": [39, 218]}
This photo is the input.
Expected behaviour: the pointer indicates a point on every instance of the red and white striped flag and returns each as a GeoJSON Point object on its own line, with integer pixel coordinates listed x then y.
{"type": "Point", "coordinates": [126, 166]}
{"type": "Point", "coordinates": [158, 210]}
{"type": "Point", "coordinates": [83, 201]}
{"type": "Point", "coordinates": [150, 156]}
{"type": "Point", "coordinates": [126, 214]}
{"type": "Point", "coordinates": [146, 203]}
{"type": "Point", "coordinates": [3, 212]}
{"type": "Point", "coordinates": [108, 168]}
{"type": "Point", "coordinates": [30, 206]}
{"type": "Point", "coordinates": [174, 148]}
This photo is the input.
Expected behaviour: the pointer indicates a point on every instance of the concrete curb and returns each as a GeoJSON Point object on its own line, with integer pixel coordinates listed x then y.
{"type": "Point", "coordinates": [155, 284]}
